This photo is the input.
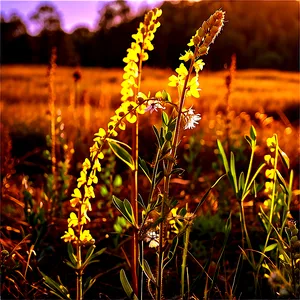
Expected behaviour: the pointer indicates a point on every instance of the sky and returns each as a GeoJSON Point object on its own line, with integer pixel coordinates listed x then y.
{"type": "Point", "coordinates": [73, 13]}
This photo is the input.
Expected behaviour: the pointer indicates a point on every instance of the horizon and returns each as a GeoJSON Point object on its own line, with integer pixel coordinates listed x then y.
{"type": "Point", "coordinates": [73, 14]}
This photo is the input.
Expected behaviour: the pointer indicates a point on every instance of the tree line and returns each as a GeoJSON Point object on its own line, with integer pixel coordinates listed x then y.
{"type": "Point", "coordinates": [262, 34]}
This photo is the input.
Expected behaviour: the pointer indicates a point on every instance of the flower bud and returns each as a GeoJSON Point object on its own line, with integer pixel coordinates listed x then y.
{"type": "Point", "coordinates": [196, 40]}
{"type": "Point", "coordinates": [203, 50]}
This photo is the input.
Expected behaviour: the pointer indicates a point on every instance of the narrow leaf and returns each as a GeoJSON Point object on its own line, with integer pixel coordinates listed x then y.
{"type": "Point", "coordinates": [285, 159]}
{"type": "Point", "coordinates": [253, 133]}
{"type": "Point", "coordinates": [242, 181]}
{"type": "Point", "coordinates": [169, 136]}
{"type": "Point", "coordinates": [270, 247]}
{"type": "Point", "coordinates": [223, 155]}
{"type": "Point", "coordinates": [71, 254]}
{"type": "Point", "coordinates": [207, 193]}
{"type": "Point", "coordinates": [156, 134]}
{"type": "Point", "coordinates": [165, 118]}
{"type": "Point", "coordinates": [121, 153]}
{"type": "Point", "coordinates": [120, 206]}
{"type": "Point", "coordinates": [143, 166]}
{"type": "Point", "coordinates": [282, 182]}
{"type": "Point", "coordinates": [146, 268]}
{"type": "Point", "coordinates": [248, 139]}
{"type": "Point", "coordinates": [126, 286]}
{"type": "Point", "coordinates": [233, 172]}
{"type": "Point", "coordinates": [90, 252]}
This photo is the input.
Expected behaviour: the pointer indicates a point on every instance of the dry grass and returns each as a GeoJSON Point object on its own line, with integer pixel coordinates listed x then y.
{"type": "Point", "coordinates": [24, 96]}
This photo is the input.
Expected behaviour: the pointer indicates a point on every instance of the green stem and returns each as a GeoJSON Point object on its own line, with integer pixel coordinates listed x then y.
{"type": "Point", "coordinates": [79, 274]}
{"type": "Point", "coordinates": [270, 226]}
{"type": "Point", "coordinates": [184, 257]}
{"type": "Point", "coordinates": [167, 178]}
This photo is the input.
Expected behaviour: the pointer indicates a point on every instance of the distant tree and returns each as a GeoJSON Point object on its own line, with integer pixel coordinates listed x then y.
{"type": "Point", "coordinates": [15, 42]}
{"type": "Point", "coordinates": [113, 13]}
{"type": "Point", "coordinates": [51, 35]}
{"type": "Point", "coordinates": [47, 18]}
{"type": "Point", "coordinates": [82, 38]}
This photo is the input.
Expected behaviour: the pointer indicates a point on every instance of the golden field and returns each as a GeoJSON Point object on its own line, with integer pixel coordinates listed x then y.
{"type": "Point", "coordinates": [268, 99]}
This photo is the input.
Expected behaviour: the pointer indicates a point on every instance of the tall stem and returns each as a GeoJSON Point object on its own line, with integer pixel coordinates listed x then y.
{"type": "Point", "coordinates": [134, 188]}
{"type": "Point", "coordinates": [134, 203]}
{"type": "Point", "coordinates": [167, 178]}
{"type": "Point", "coordinates": [184, 257]}
{"type": "Point", "coordinates": [79, 260]}
{"type": "Point", "coordinates": [79, 274]}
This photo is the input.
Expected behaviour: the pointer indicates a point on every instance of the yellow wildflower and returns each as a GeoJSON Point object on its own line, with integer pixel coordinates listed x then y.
{"type": "Point", "coordinates": [85, 237]}
{"type": "Point", "coordinates": [82, 179]}
{"type": "Point", "coordinates": [271, 143]}
{"type": "Point", "coordinates": [92, 178]}
{"type": "Point", "coordinates": [187, 56]}
{"type": "Point", "coordinates": [101, 133]}
{"type": "Point", "coordinates": [270, 174]}
{"type": "Point", "coordinates": [111, 128]}
{"type": "Point", "coordinates": [193, 87]}
{"type": "Point", "coordinates": [97, 165]}
{"type": "Point", "coordinates": [86, 164]}
{"type": "Point", "coordinates": [89, 192]}
{"type": "Point", "coordinates": [73, 220]}
{"type": "Point", "coordinates": [269, 187]}
{"type": "Point", "coordinates": [76, 197]}
{"type": "Point", "coordinates": [69, 235]}
{"type": "Point", "coordinates": [95, 148]}
{"type": "Point", "coordinates": [269, 160]}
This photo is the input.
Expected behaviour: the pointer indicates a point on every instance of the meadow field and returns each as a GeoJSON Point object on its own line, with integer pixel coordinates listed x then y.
{"type": "Point", "coordinates": [268, 100]}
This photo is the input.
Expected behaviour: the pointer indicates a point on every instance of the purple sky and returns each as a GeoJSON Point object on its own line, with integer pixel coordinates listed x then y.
{"type": "Point", "coordinates": [73, 13]}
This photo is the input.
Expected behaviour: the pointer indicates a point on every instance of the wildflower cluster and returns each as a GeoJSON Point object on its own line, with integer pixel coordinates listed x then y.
{"type": "Point", "coordinates": [127, 111]}
{"type": "Point", "coordinates": [272, 173]}
{"type": "Point", "coordinates": [187, 87]}
{"type": "Point", "coordinates": [137, 53]}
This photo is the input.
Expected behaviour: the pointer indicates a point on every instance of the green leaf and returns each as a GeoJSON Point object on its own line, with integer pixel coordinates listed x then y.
{"type": "Point", "coordinates": [126, 286]}
{"type": "Point", "coordinates": [120, 206]}
{"type": "Point", "coordinates": [141, 201]}
{"type": "Point", "coordinates": [144, 168]}
{"type": "Point", "coordinates": [285, 159]}
{"type": "Point", "coordinates": [182, 212]}
{"type": "Point", "coordinates": [70, 264]}
{"type": "Point", "coordinates": [233, 172]}
{"type": "Point", "coordinates": [121, 153]}
{"type": "Point", "coordinates": [103, 191]}
{"type": "Point", "coordinates": [161, 137]}
{"type": "Point", "coordinates": [169, 136]}
{"type": "Point", "coordinates": [147, 270]}
{"type": "Point", "coordinates": [71, 254]}
{"type": "Point", "coordinates": [91, 259]}
{"type": "Point", "coordinates": [172, 125]}
{"type": "Point", "coordinates": [156, 134]}
{"type": "Point", "coordinates": [88, 284]}
{"type": "Point", "coordinates": [179, 171]}
{"type": "Point", "coordinates": [223, 155]}
{"type": "Point", "coordinates": [166, 96]}
{"type": "Point", "coordinates": [282, 182]}
{"type": "Point", "coordinates": [165, 118]}
{"type": "Point", "coordinates": [270, 247]}
{"type": "Point", "coordinates": [248, 139]}
{"type": "Point", "coordinates": [207, 193]}
{"type": "Point", "coordinates": [253, 133]}
{"type": "Point", "coordinates": [90, 252]}
{"type": "Point", "coordinates": [172, 251]}
{"type": "Point", "coordinates": [254, 189]}
{"type": "Point", "coordinates": [117, 181]}
{"type": "Point", "coordinates": [242, 181]}
{"type": "Point", "coordinates": [55, 287]}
